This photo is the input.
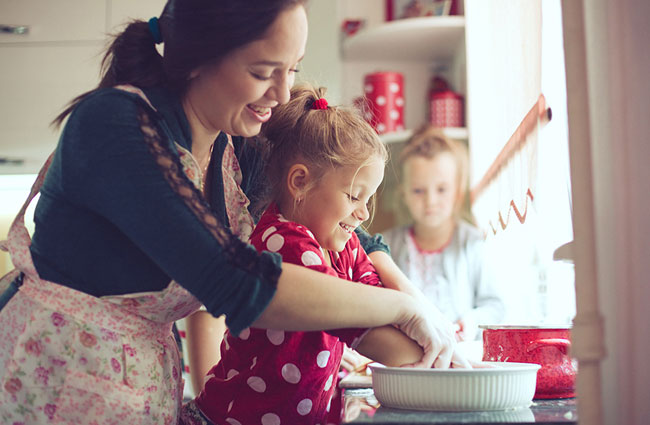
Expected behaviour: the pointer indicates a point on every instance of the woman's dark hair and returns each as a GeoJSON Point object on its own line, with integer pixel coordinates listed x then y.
{"type": "Point", "coordinates": [195, 33]}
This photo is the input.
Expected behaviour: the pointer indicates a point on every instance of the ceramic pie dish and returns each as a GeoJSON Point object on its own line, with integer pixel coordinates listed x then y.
{"type": "Point", "coordinates": [503, 386]}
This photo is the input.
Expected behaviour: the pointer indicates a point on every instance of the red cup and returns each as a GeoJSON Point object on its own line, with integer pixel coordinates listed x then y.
{"type": "Point", "coordinates": [384, 97]}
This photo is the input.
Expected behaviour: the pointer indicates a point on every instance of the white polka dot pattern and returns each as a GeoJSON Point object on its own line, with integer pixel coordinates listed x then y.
{"type": "Point", "coordinates": [270, 419]}
{"type": "Point", "coordinates": [244, 334]}
{"type": "Point", "coordinates": [381, 100]}
{"type": "Point", "coordinates": [310, 234]}
{"type": "Point", "coordinates": [365, 274]}
{"type": "Point", "coordinates": [257, 384]}
{"type": "Point", "coordinates": [268, 232]}
{"type": "Point", "coordinates": [275, 336]}
{"type": "Point", "coordinates": [230, 405]}
{"type": "Point", "coordinates": [291, 373]}
{"type": "Point", "coordinates": [310, 258]}
{"type": "Point", "coordinates": [355, 251]}
{"type": "Point", "coordinates": [350, 272]}
{"type": "Point", "coordinates": [322, 358]}
{"type": "Point", "coordinates": [231, 373]}
{"type": "Point", "coordinates": [233, 421]}
{"type": "Point", "coordinates": [275, 243]}
{"type": "Point", "coordinates": [304, 407]}
{"type": "Point", "coordinates": [394, 87]}
{"type": "Point", "coordinates": [328, 383]}
{"type": "Point", "coordinates": [254, 362]}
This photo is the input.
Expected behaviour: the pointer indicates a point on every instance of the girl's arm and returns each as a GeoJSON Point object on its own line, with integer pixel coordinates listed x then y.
{"type": "Point", "coordinates": [391, 275]}
{"type": "Point", "coordinates": [389, 346]}
{"type": "Point", "coordinates": [204, 336]}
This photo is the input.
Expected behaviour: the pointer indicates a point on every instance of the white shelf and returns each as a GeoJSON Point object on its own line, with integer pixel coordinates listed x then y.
{"type": "Point", "coordinates": [415, 39]}
{"type": "Point", "coordinates": [457, 133]}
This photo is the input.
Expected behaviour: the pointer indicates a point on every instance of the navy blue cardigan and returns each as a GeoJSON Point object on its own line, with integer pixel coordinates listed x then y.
{"type": "Point", "coordinates": [108, 222]}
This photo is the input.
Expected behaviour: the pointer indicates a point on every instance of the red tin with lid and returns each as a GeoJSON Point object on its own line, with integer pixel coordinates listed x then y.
{"type": "Point", "coordinates": [548, 346]}
{"type": "Point", "coordinates": [384, 94]}
{"type": "Point", "coordinates": [446, 109]}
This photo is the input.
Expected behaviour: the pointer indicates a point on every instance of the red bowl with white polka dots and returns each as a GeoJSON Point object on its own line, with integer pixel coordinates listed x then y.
{"type": "Point", "coordinates": [547, 346]}
{"type": "Point", "coordinates": [384, 98]}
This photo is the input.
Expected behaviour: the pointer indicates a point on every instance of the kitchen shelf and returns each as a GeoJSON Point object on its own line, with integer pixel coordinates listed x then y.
{"type": "Point", "coordinates": [415, 39]}
{"type": "Point", "coordinates": [457, 133]}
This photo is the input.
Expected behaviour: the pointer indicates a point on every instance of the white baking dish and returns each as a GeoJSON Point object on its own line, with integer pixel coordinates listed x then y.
{"type": "Point", "coordinates": [505, 386]}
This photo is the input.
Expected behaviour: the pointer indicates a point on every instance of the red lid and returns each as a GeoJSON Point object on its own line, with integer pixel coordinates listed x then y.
{"type": "Point", "coordinates": [447, 94]}
{"type": "Point", "coordinates": [384, 76]}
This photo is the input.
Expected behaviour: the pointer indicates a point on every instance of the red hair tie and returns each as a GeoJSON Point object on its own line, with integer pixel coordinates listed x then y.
{"type": "Point", "coordinates": [319, 104]}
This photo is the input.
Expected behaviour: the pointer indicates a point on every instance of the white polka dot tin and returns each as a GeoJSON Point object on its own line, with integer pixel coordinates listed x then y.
{"type": "Point", "coordinates": [384, 98]}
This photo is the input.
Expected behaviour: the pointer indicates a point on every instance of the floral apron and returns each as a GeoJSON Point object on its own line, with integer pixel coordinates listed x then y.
{"type": "Point", "coordinates": [67, 357]}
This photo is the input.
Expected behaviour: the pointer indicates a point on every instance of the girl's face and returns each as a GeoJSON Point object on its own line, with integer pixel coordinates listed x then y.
{"type": "Point", "coordinates": [338, 203]}
{"type": "Point", "coordinates": [237, 94]}
{"type": "Point", "coordinates": [430, 189]}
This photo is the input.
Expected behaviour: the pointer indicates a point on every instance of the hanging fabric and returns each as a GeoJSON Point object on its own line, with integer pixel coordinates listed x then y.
{"type": "Point", "coordinates": [508, 187]}
{"type": "Point", "coordinates": [504, 53]}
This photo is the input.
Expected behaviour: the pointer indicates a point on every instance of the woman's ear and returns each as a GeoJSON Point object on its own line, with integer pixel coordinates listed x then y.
{"type": "Point", "coordinates": [298, 179]}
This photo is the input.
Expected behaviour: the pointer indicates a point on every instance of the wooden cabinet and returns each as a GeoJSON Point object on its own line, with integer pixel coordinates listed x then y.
{"type": "Point", "coordinates": [45, 66]}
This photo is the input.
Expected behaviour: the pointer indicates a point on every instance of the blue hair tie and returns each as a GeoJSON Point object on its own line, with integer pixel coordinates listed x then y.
{"type": "Point", "coordinates": [154, 29]}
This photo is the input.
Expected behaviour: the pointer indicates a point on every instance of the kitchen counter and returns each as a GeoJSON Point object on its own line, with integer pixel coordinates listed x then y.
{"type": "Point", "coordinates": [361, 407]}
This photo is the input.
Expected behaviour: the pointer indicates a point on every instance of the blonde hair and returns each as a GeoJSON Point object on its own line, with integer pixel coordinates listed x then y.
{"type": "Point", "coordinates": [323, 139]}
{"type": "Point", "coordinates": [429, 142]}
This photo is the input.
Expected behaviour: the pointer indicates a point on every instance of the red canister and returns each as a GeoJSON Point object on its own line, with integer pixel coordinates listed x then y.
{"type": "Point", "coordinates": [446, 109]}
{"type": "Point", "coordinates": [384, 94]}
{"type": "Point", "coordinates": [548, 346]}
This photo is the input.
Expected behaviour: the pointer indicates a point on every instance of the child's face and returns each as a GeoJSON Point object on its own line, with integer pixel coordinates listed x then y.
{"type": "Point", "coordinates": [430, 189]}
{"type": "Point", "coordinates": [338, 203]}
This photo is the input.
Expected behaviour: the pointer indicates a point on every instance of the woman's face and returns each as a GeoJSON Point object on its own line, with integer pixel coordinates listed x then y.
{"type": "Point", "coordinates": [430, 189]}
{"type": "Point", "coordinates": [237, 94]}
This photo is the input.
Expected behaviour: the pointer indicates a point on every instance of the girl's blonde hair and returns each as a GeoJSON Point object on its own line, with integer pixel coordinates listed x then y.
{"type": "Point", "coordinates": [322, 139]}
{"type": "Point", "coordinates": [429, 142]}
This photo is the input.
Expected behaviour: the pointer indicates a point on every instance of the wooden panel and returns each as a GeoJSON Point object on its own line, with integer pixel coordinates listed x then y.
{"type": "Point", "coordinates": [37, 82]}
{"type": "Point", "coordinates": [48, 20]}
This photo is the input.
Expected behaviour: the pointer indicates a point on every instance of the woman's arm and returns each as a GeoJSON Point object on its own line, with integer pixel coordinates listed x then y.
{"type": "Point", "coordinates": [389, 346]}
{"type": "Point", "coordinates": [309, 300]}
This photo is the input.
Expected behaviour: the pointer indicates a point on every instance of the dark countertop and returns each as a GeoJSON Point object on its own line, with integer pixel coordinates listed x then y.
{"type": "Point", "coordinates": [361, 407]}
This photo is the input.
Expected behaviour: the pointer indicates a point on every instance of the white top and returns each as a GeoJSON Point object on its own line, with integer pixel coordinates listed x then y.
{"type": "Point", "coordinates": [460, 280]}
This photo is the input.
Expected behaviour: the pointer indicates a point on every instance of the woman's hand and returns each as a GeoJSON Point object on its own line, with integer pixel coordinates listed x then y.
{"type": "Point", "coordinates": [435, 334]}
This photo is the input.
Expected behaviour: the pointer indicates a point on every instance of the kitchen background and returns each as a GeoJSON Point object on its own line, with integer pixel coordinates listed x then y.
{"type": "Point", "coordinates": [499, 55]}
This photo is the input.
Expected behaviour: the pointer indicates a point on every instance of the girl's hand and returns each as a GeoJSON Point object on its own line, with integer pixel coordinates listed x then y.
{"type": "Point", "coordinates": [435, 334]}
{"type": "Point", "coordinates": [352, 361]}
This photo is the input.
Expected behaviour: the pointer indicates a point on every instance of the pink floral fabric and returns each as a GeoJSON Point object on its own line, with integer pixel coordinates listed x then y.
{"type": "Point", "coordinates": [70, 358]}
{"type": "Point", "coordinates": [241, 222]}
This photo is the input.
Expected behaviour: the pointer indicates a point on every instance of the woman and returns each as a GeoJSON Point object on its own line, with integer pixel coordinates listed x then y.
{"type": "Point", "coordinates": [134, 218]}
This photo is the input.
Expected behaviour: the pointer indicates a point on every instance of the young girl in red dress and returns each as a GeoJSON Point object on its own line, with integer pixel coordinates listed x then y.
{"type": "Point", "coordinates": [325, 165]}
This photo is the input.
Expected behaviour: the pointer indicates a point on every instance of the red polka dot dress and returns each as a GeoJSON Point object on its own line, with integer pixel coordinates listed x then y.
{"type": "Point", "coordinates": [273, 377]}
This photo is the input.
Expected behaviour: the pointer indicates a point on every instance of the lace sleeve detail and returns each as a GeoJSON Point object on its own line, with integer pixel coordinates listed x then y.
{"type": "Point", "coordinates": [239, 254]}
